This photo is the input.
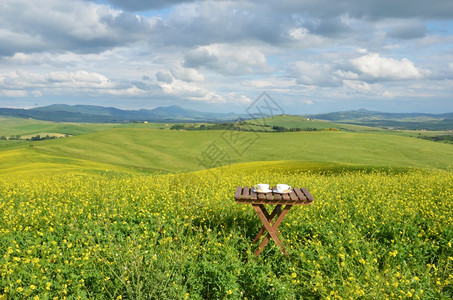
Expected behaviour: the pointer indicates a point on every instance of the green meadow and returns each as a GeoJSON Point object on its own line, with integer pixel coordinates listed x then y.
{"type": "Point", "coordinates": [139, 211]}
{"type": "Point", "coordinates": [15, 126]}
{"type": "Point", "coordinates": [147, 148]}
{"type": "Point", "coordinates": [289, 121]}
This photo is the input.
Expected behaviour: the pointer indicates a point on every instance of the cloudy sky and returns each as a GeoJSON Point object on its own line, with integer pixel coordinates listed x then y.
{"type": "Point", "coordinates": [309, 56]}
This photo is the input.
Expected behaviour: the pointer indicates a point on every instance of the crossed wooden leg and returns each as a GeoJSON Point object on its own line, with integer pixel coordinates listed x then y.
{"type": "Point", "coordinates": [277, 210]}
{"type": "Point", "coordinates": [272, 229]}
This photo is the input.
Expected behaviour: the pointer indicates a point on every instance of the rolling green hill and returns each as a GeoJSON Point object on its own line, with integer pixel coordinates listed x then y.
{"type": "Point", "coordinates": [367, 115]}
{"type": "Point", "coordinates": [291, 121]}
{"type": "Point", "coordinates": [151, 150]}
{"type": "Point", "coordinates": [277, 124]}
{"type": "Point", "coordinates": [28, 162]}
{"type": "Point", "coordinates": [17, 126]}
{"type": "Point", "coordinates": [410, 121]}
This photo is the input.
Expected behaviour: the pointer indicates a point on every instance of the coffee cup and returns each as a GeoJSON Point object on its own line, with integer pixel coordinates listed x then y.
{"type": "Point", "coordinates": [261, 187]}
{"type": "Point", "coordinates": [281, 188]}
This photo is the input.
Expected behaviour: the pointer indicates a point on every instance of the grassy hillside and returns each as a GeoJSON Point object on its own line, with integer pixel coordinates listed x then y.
{"type": "Point", "coordinates": [25, 127]}
{"type": "Point", "coordinates": [16, 126]}
{"type": "Point", "coordinates": [284, 121]}
{"type": "Point", "coordinates": [165, 150]}
{"type": "Point", "coordinates": [290, 121]}
{"type": "Point", "coordinates": [410, 121]}
{"type": "Point", "coordinates": [28, 162]}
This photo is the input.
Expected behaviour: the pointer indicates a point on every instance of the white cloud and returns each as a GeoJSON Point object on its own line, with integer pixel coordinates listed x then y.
{"type": "Point", "coordinates": [13, 93]}
{"type": "Point", "coordinates": [190, 91]}
{"type": "Point", "coordinates": [21, 79]}
{"type": "Point", "coordinates": [346, 74]}
{"type": "Point", "coordinates": [54, 60]}
{"type": "Point", "coordinates": [382, 68]}
{"type": "Point", "coordinates": [388, 94]}
{"type": "Point", "coordinates": [132, 91]}
{"type": "Point", "coordinates": [79, 79]}
{"type": "Point", "coordinates": [21, 58]}
{"type": "Point", "coordinates": [187, 74]}
{"type": "Point", "coordinates": [76, 26]}
{"type": "Point", "coordinates": [61, 82]}
{"type": "Point", "coordinates": [358, 86]}
{"type": "Point", "coordinates": [259, 83]}
{"type": "Point", "coordinates": [235, 98]}
{"type": "Point", "coordinates": [278, 85]}
{"type": "Point", "coordinates": [36, 94]}
{"type": "Point", "coordinates": [303, 38]}
{"type": "Point", "coordinates": [298, 34]}
{"type": "Point", "coordinates": [314, 74]}
{"type": "Point", "coordinates": [227, 59]}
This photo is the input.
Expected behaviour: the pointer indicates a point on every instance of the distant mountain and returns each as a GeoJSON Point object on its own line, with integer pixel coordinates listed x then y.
{"type": "Point", "coordinates": [176, 114]}
{"type": "Point", "coordinates": [364, 115]}
{"type": "Point", "coordinates": [181, 113]}
{"type": "Point", "coordinates": [390, 120]}
{"type": "Point", "coordinates": [100, 114]}
{"type": "Point", "coordinates": [83, 109]}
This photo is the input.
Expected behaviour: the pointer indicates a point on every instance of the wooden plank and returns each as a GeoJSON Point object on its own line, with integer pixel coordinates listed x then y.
{"type": "Point", "coordinates": [252, 194]}
{"type": "Point", "coordinates": [269, 196]}
{"type": "Point", "coordinates": [264, 210]}
{"type": "Point", "coordinates": [303, 195]}
{"type": "Point", "coordinates": [307, 193]}
{"type": "Point", "coordinates": [238, 193]}
{"type": "Point", "coordinates": [285, 197]}
{"type": "Point", "coordinates": [293, 196]}
{"type": "Point", "coordinates": [273, 202]}
{"type": "Point", "coordinates": [245, 193]}
{"type": "Point", "coordinates": [300, 194]}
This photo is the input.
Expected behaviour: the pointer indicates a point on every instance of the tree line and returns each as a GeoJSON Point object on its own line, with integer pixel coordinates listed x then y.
{"type": "Point", "coordinates": [33, 138]}
{"type": "Point", "coordinates": [240, 126]}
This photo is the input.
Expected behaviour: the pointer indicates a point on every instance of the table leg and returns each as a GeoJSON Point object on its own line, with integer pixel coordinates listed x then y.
{"type": "Point", "coordinates": [276, 212]}
{"type": "Point", "coordinates": [271, 229]}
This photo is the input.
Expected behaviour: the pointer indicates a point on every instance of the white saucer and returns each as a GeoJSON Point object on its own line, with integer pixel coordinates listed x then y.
{"type": "Point", "coordinates": [286, 192]}
{"type": "Point", "coordinates": [262, 192]}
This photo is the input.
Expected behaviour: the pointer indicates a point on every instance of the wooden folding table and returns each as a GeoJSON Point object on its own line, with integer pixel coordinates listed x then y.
{"type": "Point", "coordinates": [248, 195]}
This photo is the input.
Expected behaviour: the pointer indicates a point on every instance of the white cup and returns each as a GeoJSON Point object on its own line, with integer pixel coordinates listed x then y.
{"type": "Point", "coordinates": [282, 188]}
{"type": "Point", "coordinates": [262, 187]}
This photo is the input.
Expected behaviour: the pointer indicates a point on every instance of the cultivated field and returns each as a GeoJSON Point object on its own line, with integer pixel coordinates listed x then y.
{"type": "Point", "coordinates": [110, 214]}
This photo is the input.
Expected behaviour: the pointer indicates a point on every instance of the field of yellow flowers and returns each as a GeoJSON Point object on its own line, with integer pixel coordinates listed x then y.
{"type": "Point", "coordinates": [369, 235]}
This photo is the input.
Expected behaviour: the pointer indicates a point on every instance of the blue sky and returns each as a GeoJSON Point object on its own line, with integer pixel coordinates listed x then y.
{"type": "Point", "coordinates": [309, 56]}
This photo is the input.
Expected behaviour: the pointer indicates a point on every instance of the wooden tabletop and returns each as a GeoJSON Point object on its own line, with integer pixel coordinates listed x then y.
{"type": "Point", "coordinates": [298, 196]}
